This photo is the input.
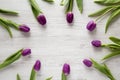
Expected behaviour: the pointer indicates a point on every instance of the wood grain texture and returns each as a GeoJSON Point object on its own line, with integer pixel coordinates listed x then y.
{"type": "Point", "coordinates": [56, 44]}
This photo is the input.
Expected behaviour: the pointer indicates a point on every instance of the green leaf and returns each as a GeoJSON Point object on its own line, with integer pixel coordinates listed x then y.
{"type": "Point", "coordinates": [13, 24]}
{"type": "Point", "coordinates": [13, 55]}
{"type": "Point", "coordinates": [103, 69]}
{"type": "Point", "coordinates": [35, 7]}
{"type": "Point", "coordinates": [107, 2]}
{"type": "Point", "coordinates": [108, 71]}
{"type": "Point", "coordinates": [111, 55]}
{"type": "Point", "coordinates": [63, 77]}
{"type": "Point", "coordinates": [115, 40]}
{"type": "Point", "coordinates": [64, 2]}
{"type": "Point", "coordinates": [6, 27]}
{"type": "Point", "coordinates": [8, 12]}
{"type": "Point", "coordinates": [10, 61]}
{"type": "Point", "coordinates": [114, 14]}
{"type": "Point", "coordinates": [49, 0]}
{"type": "Point", "coordinates": [80, 5]}
{"type": "Point", "coordinates": [101, 11]}
{"type": "Point", "coordinates": [98, 66]}
{"type": "Point", "coordinates": [18, 77]}
{"type": "Point", "coordinates": [49, 78]}
{"type": "Point", "coordinates": [10, 23]}
{"type": "Point", "coordinates": [69, 7]}
{"type": "Point", "coordinates": [112, 47]}
{"type": "Point", "coordinates": [33, 74]}
{"type": "Point", "coordinates": [34, 12]}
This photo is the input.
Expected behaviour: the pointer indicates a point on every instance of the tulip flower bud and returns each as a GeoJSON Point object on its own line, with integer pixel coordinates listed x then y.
{"type": "Point", "coordinates": [87, 62]}
{"type": "Point", "coordinates": [96, 43]}
{"type": "Point", "coordinates": [41, 19]}
{"type": "Point", "coordinates": [37, 65]}
{"type": "Point", "coordinates": [24, 28]}
{"type": "Point", "coordinates": [69, 17]}
{"type": "Point", "coordinates": [26, 52]}
{"type": "Point", "coordinates": [66, 69]}
{"type": "Point", "coordinates": [91, 26]}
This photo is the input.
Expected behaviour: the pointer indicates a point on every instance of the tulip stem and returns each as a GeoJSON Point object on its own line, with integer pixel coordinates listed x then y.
{"type": "Point", "coordinates": [8, 12]}
{"type": "Point", "coordinates": [33, 74]}
{"type": "Point", "coordinates": [63, 77]}
{"type": "Point", "coordinates": [6, 27]}
{"type": "Point", "coordinates": [10, 60]}
{"type": "Point", "coordinates": [49, 0]}
{"type": "Point", "coordinates": [35, 7]}
{"type": "Point", "coordinates": [63, 2]}
{"type": "Point", "coordinates": [18, 77]}
{"type": "Point", "coordinates": [49, 78]}
{"type": "Point", "coordinates": [10, 23]}
{"type": "Point", "coordinates": [103, 15]}
{"type": "Point", "coordinates": [69, 6]}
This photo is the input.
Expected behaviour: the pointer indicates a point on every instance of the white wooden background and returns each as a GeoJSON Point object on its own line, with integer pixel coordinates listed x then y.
{"type": "Point", "coordinates": [56, 44]}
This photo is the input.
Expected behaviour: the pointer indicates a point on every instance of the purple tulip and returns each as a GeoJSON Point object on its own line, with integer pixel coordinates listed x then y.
{"type": "Point", "coordinates": [91, 26]}
{"type": "Point", "coordinates": [26, 52]}
{"type": "Point", "coordinates": [87, 62]}
{"type": "Point", "coordinates": [96, 43]}
{"type": "Point", "coordinates": [37, 65]}
{"type": "Point", "coordinates": [24, 28]}
{"type": "Point", "coordinates": [41, 19]}
{"type": "Point", "coordinates": [66, 69]}
{"type": "Point", "coordinates": [69, 17]}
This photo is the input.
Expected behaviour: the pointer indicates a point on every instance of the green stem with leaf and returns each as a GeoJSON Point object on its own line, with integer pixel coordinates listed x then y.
{"type": "Point", "coordinates": [11, 59]}
{"type": "Point", "coordinates": [103, 69]}
{"type": "Point", "coordinates": [8, 12]}
{"type": "Point", "coordinates": [18, 77]}
{"type": "Point", "coordinates": [115, 48]}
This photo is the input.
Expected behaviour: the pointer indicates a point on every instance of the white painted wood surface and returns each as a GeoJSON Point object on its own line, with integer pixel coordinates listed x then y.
{"type": "Point", "coordinates": [56, 44]}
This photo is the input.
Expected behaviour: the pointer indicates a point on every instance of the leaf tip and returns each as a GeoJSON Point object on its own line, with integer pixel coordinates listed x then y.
{"type": "Point", "coordinates": [111, 37]}
{"type": "Point", "coordinates": [106, 29]}
{"type": "Point", "coordinates": [103, 59]}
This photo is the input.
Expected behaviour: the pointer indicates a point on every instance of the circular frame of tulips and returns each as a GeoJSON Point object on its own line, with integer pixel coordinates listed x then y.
{"type": "Point", "coordinates": [114, 7]}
